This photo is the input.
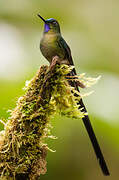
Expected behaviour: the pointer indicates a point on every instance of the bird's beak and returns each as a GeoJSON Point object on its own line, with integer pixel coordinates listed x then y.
{"type": "Point", "coordinates": [42, 18]}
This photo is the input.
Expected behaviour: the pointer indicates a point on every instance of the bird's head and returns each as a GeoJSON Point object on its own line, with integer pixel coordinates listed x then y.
{"type": "Point", "coordinates": [51, 25]}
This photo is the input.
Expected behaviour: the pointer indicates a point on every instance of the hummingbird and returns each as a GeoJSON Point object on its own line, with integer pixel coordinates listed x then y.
{"type": "Point", "coordinates": [53, 44]}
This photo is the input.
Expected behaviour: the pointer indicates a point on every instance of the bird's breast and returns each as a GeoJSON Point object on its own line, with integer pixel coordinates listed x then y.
{"type": "Point", "coordinates": [49, 46]}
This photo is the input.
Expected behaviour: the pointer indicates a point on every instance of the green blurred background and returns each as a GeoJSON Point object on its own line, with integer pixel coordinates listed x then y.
{"type": "Point", "coordinates": [91, 28]}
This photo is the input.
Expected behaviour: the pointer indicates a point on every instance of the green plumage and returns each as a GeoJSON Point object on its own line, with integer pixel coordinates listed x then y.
{"type": "Point", "coordinates": [53, 44]}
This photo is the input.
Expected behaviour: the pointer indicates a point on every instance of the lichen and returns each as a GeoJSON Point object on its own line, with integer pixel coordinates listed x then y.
{"type": "Point", "coordinates": [23, 148]}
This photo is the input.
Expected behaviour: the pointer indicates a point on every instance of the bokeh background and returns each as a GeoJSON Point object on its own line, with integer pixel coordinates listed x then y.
{"type": "Point", "coordinates": [91, 28]}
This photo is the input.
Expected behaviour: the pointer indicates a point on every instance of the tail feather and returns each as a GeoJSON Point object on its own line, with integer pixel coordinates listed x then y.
{"type": "Point", "coordinates": [90, 130]}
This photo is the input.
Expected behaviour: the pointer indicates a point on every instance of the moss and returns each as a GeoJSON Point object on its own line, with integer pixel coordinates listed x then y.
{"type": "Point", "coordinates": [23, 149]}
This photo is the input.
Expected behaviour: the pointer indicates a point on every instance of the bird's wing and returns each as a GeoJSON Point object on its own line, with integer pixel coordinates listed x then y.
{"type": "Point", "coordinates": [63, 45]}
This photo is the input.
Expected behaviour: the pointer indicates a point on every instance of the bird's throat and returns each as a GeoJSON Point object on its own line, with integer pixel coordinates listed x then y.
{"type": "Point", "coordinates": [47, 28]}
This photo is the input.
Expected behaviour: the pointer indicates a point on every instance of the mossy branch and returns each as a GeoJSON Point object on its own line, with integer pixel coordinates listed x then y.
{"type": "Point", "coordinates": [22, 142]}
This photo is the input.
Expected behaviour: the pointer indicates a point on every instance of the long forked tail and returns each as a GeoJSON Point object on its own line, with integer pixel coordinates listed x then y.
{"type": "Point", "coordinates": [94, 142]}
{"type": "Point", "coordinates": [90, 131]}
